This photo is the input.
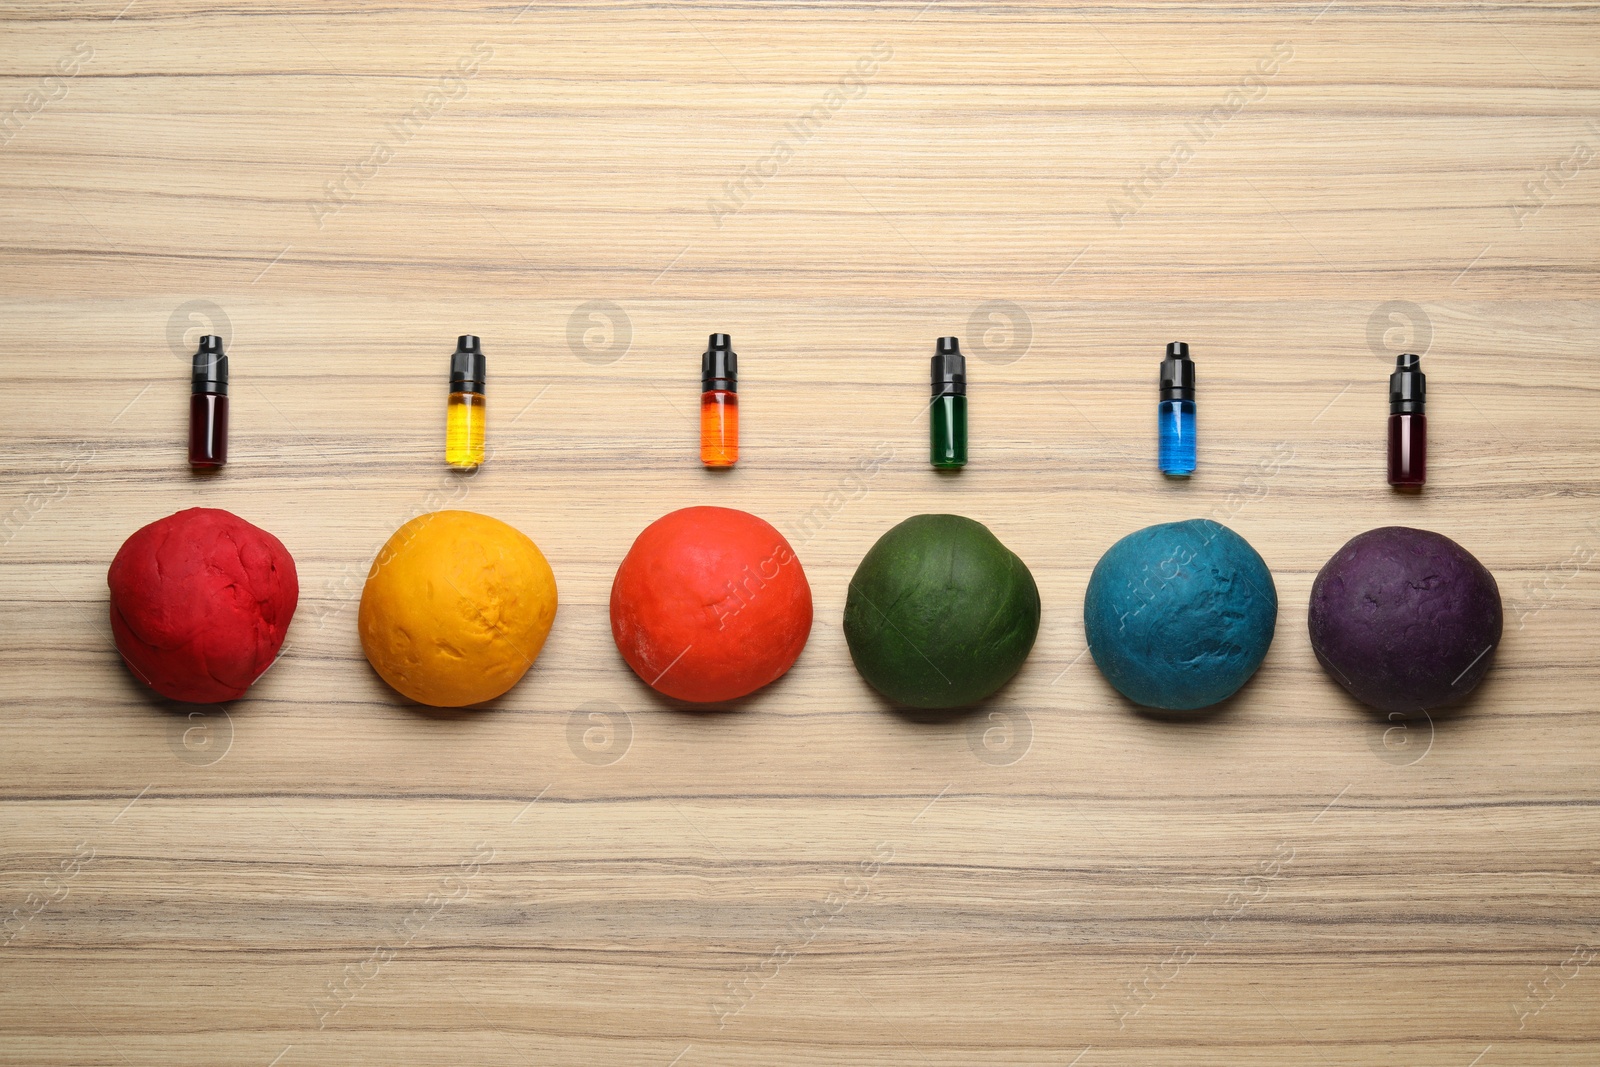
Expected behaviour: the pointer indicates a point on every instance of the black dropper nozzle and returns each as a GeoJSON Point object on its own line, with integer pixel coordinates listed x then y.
{"type": "Point", "coordinates": [1407, 385]}
{"type": "Point", "coordinates": [719, 365]}
{"type": "Point", "coordinates": [949, 368]}
{"type": "Point", "coordinates": [469, 370]}
{"type": "Point", "coordinates": [210, 373]}
{"type": "Point", "coordinates": [1177, 373]}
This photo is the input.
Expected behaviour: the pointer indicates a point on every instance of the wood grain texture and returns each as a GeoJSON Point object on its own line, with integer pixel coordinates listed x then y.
{"type": "Point", "coordinates": [327, 875]}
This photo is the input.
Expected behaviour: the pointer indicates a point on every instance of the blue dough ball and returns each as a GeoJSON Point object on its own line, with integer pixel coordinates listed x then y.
{"type": "Point", "coordinates": [1180, 615]}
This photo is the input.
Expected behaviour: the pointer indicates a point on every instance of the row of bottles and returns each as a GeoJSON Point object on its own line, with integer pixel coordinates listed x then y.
{"type": "Point", "coordinates": [466, 411]}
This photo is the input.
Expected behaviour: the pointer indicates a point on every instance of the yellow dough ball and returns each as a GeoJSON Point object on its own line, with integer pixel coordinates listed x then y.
{"type": "Point", "coordinates": [456, 608]}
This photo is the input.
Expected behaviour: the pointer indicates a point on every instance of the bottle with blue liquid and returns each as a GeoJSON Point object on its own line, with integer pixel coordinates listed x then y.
{"type": "Point", "coordinates": [1175, 415]}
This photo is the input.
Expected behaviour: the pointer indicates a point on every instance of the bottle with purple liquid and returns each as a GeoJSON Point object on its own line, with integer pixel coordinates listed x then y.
{"type": "Point", "coordinates": [1408, 425]}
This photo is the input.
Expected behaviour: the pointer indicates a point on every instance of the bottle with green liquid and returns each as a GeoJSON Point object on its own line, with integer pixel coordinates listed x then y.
{"type": "Point", "coordinates": [947, 416]}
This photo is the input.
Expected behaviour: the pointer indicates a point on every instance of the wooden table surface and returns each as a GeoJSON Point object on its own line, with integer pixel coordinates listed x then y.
{"type": "Point", "coordinates": [322, 873]}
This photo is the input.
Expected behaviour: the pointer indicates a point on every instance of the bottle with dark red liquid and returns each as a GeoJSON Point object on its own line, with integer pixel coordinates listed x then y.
{"type": "Point", "coordinates": [208, 405]}
{"type": "Point", "coordinates": [1408, 426]}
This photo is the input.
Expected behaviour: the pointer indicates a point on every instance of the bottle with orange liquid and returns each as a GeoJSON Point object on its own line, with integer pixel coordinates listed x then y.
{"type": "Point", "coordinates": [719, 403]}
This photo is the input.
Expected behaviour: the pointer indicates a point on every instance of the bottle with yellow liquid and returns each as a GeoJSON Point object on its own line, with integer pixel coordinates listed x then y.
{"type": "Point", "coordinates": [465, 415]}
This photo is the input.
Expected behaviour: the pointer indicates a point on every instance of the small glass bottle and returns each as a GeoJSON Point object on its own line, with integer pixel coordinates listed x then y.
{"type": "Point", "coordinates": [1175, 416]}
{"type": "Point", "coordinates": [1408, 425]}
{"type": "Point", "coordinates": [465, 414]}
{"type": "Point", "coordinates": [719, 403]}
{"type": "Point", "coordinates": [947, 414]}
{"type": "Point", "coordinates": [208, 405]}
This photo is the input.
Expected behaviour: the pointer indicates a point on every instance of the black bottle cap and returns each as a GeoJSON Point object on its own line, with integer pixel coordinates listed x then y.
{"type": "Point", "coordinates": [719, 365]}
{"type": "Point", "coordinates": [1407, 385]}
{"type": "Point", "coordinates": [469, 370]}
{"type": "Point", "coordinates": [949, 368]}
{"type": "Point", "coordinates": [1177, 373]}
{"type": "Point", "coordinates": [210, 373]}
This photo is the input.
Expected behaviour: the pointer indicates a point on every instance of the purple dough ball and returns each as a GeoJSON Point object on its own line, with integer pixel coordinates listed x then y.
{"type": "Point", "coordinates": [1404, 619]}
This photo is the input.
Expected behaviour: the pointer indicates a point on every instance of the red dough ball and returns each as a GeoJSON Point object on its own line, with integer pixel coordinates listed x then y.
{"type": "Point", "coordinates": [710, 604]}
{"type": "Point", "coordinates": [200, 602]}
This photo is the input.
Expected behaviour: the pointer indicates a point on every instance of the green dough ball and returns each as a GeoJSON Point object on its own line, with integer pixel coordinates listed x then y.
{"type": "Point", "coordinates": [940, 614]}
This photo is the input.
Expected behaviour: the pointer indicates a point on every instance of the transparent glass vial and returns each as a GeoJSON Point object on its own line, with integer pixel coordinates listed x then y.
{"type": "Point", "coordinates": [719, 403]}
{"type": "Point", "coordinates": [466, 412]}
{"type": "Point", "coordinates": [1408, 424]}
{"type": "Point", "coordinates": [208, 405]}
{"type": "Point", "coordinates": [947, 412]}
{"type": "Point", "coordinates": [1175, 414]}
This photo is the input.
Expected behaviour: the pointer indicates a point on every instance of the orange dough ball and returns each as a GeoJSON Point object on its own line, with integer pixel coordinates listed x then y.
{"type": "Point", "coordinates": [456, 608]}
{"type": "Point", "coordinates": [710, 604]}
